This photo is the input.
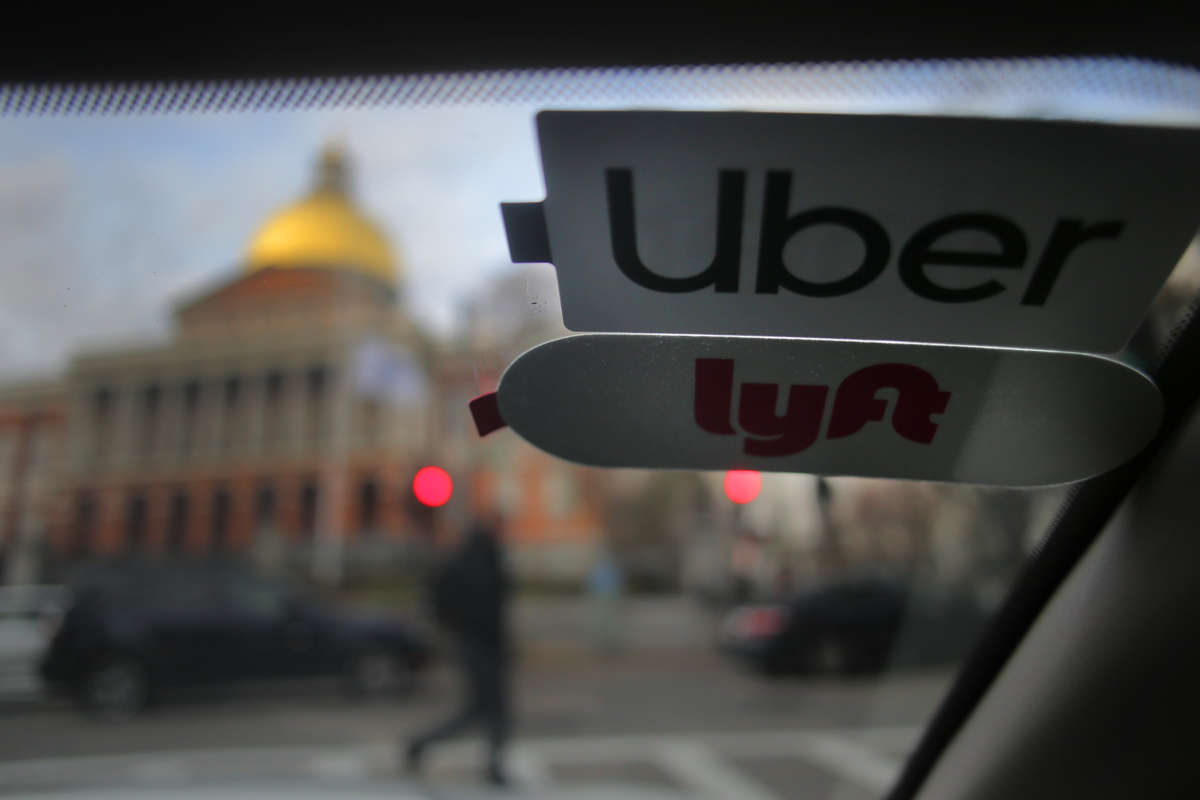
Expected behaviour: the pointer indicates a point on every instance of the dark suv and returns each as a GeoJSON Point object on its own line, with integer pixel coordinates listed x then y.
{"type": "Point", "coordinates": [134, 628]}
{"type": "Point", "coordinates": [858, 625]}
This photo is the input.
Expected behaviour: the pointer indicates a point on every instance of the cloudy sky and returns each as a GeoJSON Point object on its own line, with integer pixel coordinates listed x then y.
{"type": "Point", "coordinates": [108, 220]}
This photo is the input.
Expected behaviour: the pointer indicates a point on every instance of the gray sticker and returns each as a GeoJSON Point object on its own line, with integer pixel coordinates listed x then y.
{"type": "Point", "coordinates": [924, 412]}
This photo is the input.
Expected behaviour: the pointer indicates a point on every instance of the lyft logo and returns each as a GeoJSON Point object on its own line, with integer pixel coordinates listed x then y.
{"type": "Point", "coordinates": [769, 433]}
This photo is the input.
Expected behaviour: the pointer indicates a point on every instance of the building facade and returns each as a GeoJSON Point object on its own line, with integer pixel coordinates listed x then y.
{"type": "Point", "coordinates": [283, 418]}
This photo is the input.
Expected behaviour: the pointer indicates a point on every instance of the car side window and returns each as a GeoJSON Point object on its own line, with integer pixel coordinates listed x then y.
{"type": "Point", "coordinates": [257, 599]}
{"type": "Point", "coordinates": [183, 592]}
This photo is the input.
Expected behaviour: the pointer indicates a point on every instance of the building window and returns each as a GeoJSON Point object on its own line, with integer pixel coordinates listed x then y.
{"type": "Point", "coordinates": [368, 506]}
{"type": "Point", "coordinates": [264, 507]}
{"type": "Point", "coordinates": [232, 396]}
{"type": "Point", "coordinates": [149, 422]}
{"type": "Point", "coordinates": [177, 521]}
{"type": "Point", "coordinates": [102, 421]}
{"type": "Point", "coordinates": [222, 508]}
{"type": "Point", "coordinates": [273, 408]}
{"type": "Point", "coordinates": [8, 451]}
{"type": "Point", "coordinates": [83, 525]}
{"type": "Point", "coordinates": [191, 414]}
{"type": "Point", "coordinates": [135, 522]}
{"type": "Point", "coordinates": [308, 509]}
{"type": "Point", "coordinates": [317, 382]}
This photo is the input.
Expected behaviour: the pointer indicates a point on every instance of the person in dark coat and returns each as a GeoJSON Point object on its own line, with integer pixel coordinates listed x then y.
{"type": "Point", "coordinates": [470, 595]}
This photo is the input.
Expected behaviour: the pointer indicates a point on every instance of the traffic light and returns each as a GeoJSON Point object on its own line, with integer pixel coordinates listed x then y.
{"type": "Point", "coordinates": [432, 486]}
{"type": "Point", "coordinates": [428, 490]}
{"type": "Point", "coordinates": [742, 485]}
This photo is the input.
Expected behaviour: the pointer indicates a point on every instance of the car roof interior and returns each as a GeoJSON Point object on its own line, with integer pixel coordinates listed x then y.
{"type": "Point", "coordinates": [1085, 680]}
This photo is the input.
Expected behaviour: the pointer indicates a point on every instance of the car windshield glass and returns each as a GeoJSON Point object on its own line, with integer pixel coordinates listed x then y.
{"type": "Point", "coordinates": [241, 329]}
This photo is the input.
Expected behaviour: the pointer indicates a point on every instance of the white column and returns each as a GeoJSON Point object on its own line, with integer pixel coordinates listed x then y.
{"type": "Point", "coordinates": [274, 413]}
{"type": "Point", "coordinates": [211, 410]}
{"type": "Point", "coordinates": [170, 415]}
{"type": "Point", "coordinates": [122, 437]}
{"type": "Point", "coordinates": [221, 419]}
{"type": "Point", "coordinates": [295, 391]}
{"type": "Point", "coordinates": [79, 430]}
{"type": "Point", "coordinates": [331, 507]}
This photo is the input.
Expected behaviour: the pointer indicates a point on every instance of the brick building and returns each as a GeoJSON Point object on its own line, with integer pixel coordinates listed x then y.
{"type": "Point", "coordinates": [32, 432]}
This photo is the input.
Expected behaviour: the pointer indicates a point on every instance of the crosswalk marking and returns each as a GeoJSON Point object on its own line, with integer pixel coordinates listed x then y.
{"type": "Point", "coordinates": [341, 766]}
{"type": "Point", "coordinates": [699, 762]}
{"type": "Point", "coordinates": [698, 767]}
{"type": "Point", "coordinates": [851, 760]}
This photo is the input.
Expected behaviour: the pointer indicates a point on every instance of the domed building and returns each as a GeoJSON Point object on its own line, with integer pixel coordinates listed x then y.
{"type": "Point", "coordinates": [284, 418]}
{"type": "Point", "coordinates": [290, 403]}
{"type": "Point", "coordinates": [325, 230]}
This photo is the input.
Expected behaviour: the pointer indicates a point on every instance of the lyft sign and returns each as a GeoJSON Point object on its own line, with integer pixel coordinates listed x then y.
{"type": "Point", "coordinates": [926, 412]}
{"type": "Point", "coordinates": [768, 433]}
{"type": "Point", "coordinates": [972, 231]}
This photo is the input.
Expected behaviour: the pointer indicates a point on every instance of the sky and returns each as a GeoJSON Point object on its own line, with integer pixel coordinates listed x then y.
{"type": "Point", "coordinates": [107, 221]}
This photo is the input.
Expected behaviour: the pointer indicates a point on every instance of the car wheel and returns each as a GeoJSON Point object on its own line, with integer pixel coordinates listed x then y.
{"type": "Point", "coordinates": [116, 688]}
{"type": "Point", "coordinates": [829, 656]}
{"type": "Point", "coordinates": [375, 673]}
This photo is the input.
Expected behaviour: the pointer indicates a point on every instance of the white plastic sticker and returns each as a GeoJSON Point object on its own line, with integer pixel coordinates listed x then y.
{"type": "Point", "coordinates": [972, 231]}
{"type": "Point", "coordinates": [924, 412]}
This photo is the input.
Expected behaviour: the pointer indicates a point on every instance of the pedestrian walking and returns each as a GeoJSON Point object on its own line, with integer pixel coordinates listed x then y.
{"type": "Point", "coordinates": [470, 595]}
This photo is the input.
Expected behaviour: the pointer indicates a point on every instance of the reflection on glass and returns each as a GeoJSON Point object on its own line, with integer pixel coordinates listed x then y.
{"type": "Point", "coordinates": [229, 342]}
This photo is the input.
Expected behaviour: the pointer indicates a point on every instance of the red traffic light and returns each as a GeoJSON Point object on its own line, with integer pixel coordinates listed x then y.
{"type": "Point", "coordinates": [432, 486]}
{"type": "Point", "coordinates": [742, 485]}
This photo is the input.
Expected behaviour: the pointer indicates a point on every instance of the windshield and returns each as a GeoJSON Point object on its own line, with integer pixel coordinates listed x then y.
{"type": "Point", "coordinates": [240, 330]}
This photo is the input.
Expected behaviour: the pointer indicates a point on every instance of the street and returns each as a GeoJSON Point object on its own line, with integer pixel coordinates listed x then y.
{"type": "Point", "coordinates": [667, 713]}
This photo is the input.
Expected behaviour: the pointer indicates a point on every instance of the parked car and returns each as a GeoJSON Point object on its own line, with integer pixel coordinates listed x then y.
{"type": "Point", "coordinates": [28, 617]}
{"type": "Point", "coordinates": [855, 626]}
{"type": "Point", "coordinates": [133, 629]}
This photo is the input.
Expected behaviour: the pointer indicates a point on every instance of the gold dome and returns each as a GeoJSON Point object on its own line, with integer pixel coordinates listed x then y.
{"type": "Point", "coordinates": [324, 229]}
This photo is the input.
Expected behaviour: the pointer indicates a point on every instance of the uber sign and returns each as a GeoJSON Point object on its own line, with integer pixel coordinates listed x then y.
{"type": "Point", "coordinates": [878, 409]}
{"type": "Point", "coordinates": [979, 231]}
